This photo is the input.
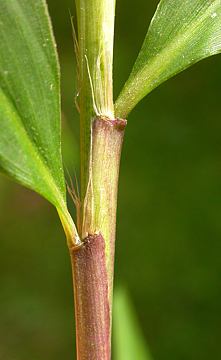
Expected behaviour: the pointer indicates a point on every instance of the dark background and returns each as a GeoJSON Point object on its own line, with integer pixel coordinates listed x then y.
{"type": "Point", "coordinates": [168, 247]}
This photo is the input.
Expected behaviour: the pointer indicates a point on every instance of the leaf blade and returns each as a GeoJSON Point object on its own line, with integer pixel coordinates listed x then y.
{"type": "Point", "coordinates": [30, 134]}
{"type": "Point", "coordinates": [29, 78]}
{"type": "Point", "coordinates": [12, 132]}
{"type": "Point", "coordinates": [181, 33]}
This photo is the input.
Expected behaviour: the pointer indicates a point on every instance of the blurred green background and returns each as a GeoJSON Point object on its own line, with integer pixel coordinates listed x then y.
{"type": "Point", "coordinates": [168, 250]}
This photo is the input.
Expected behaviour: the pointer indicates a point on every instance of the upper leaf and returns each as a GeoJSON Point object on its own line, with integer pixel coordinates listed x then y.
{"type": "Point", "coordinates": [30, 140]}
{"type": "Point", "coordinates": [181, 33]}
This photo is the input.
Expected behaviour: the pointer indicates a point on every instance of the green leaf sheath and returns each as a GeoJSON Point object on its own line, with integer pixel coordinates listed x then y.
{"type": "Point", "coordinates": [181, 33]}
{"type": "Point", "coordinates": [95, 58]}
{"type": "Point", "coordinates": [30, 139]}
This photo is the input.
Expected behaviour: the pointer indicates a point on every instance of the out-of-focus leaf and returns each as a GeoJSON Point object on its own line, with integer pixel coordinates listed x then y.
{"type": "Point", "coordinates": [30, 141]}
{"type": "Point", "coordinates": [129, 343]}
{"type": "Point", "coordinates": [181, 33]}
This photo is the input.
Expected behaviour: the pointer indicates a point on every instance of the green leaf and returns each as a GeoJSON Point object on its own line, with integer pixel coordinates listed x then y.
{"type": "Point", "coordinates": [129, 343]}
{"type": "Point", "coordinates": [181, 33]}
{"type": "Point", "coordinates": [30, 140]}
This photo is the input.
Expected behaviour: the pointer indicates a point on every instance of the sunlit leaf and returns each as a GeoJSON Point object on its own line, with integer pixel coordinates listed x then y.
{"type": "Point", "coordinates": [181, 33]}
{"type": "Point", "coordinates": [30, 149]}
{"type": "Point", "coordinates": [129, 343]}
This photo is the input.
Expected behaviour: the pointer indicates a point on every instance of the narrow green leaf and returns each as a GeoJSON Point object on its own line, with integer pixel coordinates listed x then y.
{"type": "Point", "coordinates": [30, 140]}
{"type": "Point", "coordinates": [181, 33]}
{"type": "Point", "coordinates": [129, 343]}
